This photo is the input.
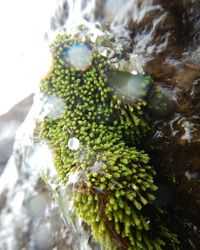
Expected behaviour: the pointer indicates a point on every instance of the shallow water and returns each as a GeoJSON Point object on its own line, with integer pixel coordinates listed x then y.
{"type": "Point", "coordinates": [151, 37]}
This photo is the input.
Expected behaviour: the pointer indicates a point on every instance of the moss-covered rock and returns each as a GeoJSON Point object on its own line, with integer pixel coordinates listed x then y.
{"type": "Point", "coordinates": [94, 144]}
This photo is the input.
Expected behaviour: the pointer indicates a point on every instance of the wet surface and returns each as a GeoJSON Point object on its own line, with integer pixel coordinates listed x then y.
{"type": "Point", "coordinates": [165, 38]}
{"type": "Point", "coordinates": [29, 218]}
{"type": "Point", "coordinates": [9, 123]}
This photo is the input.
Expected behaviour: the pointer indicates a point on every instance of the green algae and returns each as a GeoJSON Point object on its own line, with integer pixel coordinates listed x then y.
{"type": "Point", "coordinates": [114, 183]}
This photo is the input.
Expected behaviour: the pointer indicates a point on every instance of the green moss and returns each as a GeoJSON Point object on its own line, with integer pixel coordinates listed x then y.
{"type": "Point", "coordinates": [115, 183]}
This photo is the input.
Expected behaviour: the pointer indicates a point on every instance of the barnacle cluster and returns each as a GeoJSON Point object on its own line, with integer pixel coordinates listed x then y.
{"type": "Point", "coordinates": [113, 183]}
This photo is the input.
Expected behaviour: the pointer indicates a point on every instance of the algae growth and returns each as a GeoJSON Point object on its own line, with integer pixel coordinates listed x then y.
{"type": "Point", "coordinates": [94, 143]}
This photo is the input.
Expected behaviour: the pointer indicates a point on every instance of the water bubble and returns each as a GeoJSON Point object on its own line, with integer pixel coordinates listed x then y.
{"type": "Point", "coordinates": [37, 205]}
{"type": "Point", "coordinates": [80, 56]}
{"type": "Point", "coordinates": [129, 86]}
{"type": "Point", "coordinates": [73, 143]}
{"type": "Point", "coordinates": [53, 107]}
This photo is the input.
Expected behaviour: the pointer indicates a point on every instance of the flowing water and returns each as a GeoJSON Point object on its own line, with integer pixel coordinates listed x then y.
{"type": "Point", "coordinates": [153, 37]}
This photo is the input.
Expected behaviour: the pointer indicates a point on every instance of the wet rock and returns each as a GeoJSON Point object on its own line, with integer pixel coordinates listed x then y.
{"type": "Point", "coordinates": [165, 196]}
{"type": "Point", "coordinates": [29, 218]}
{"type": "Point", "coordinates": [162, 101]}
{"type": "Point", "coordinates": [164, 37]}
{"type": "Point", "coordinates": [175, 151]}
{"type": "Point", "coordinates": [9, 123]}
{"type": "Point", "coordinates": [195, 92]}
{"type": "Point", "coordinates": [34, 215]}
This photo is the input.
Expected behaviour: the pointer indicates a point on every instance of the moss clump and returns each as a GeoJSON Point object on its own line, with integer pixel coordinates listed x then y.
{"type": "Point", "coordinates": [114, 184]}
